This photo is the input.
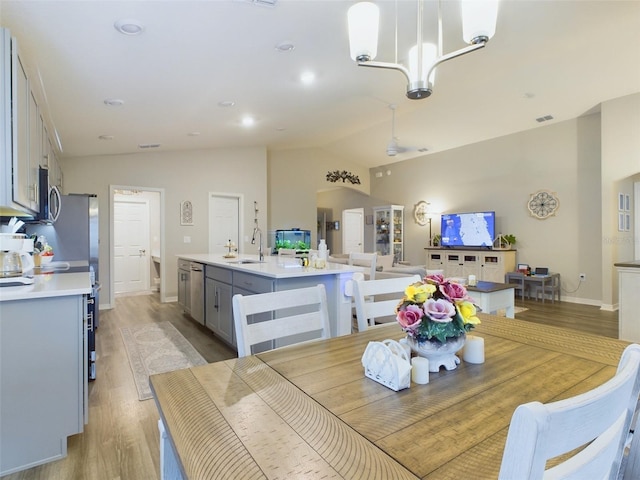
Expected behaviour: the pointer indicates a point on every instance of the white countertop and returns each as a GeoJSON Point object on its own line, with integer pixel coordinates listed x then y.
{"type": "Point", "coordinates": [49, 285]}
{"type": "Point", "coordinates": [272, 266]}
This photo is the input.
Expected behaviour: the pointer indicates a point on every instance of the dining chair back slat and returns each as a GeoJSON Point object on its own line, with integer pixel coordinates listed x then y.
{"type": "Point", "coordinates": [289, 312]}
{"type": "Point", "coordinates": [372, 298]}
{"type": "Point", "coordinates": [367, 260]}
{"type": "Point", "coordinates": [598, 420]}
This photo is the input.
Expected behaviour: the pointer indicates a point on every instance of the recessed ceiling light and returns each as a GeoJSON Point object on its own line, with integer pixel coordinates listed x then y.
{"type": "Point", "coordinates": [285, 47]}
{"type": "Point", "coordinates": [248, 121]}
{"type": "Point", "coordinates": [307, 78]}
{"type": "Point", "coordinates": [114, 102]}
{"type": "Point", "coordinates": [106, 137]}
{"type": "Point", "coordinates": [149, 145]}
{"type": "Point", "coordinates": [129, 26]}
{"type": "Point", "coordinates": [226, 103]}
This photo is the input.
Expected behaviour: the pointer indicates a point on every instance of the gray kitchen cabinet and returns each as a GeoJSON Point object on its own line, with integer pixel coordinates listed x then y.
{"type": "Point", "coordinates": [23, 143]}
{"type": "Point", "coordinates": [43, 380]}
{"type": "Point", "coordinates": [248, 284]}
{"type": "Point", "coordinates": [184, 285]}
{"type": "Point", "coordinates": [218, 309]}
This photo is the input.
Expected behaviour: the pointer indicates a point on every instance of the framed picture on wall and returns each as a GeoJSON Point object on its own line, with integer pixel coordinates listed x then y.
{"type": "Point", "coordinates": [621, 201]}
{"type": "Point", "coordinates": [620, 222]}
{"type": "Point", "coordinates": [627, 222]}
{"type": "Point", "coordinates": [368, 219]}
{"type": "Point", "coordinates": [186, 213]}
{"type": "Point", "coordinates": [627, 203]}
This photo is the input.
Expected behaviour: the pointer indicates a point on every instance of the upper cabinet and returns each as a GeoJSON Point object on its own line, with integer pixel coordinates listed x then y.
{"type": "Point", "coordinates": [26, 145]}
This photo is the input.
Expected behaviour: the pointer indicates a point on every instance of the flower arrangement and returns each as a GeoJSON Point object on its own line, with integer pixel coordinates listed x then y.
{"type": "Point", "coordinates": [436, 309]}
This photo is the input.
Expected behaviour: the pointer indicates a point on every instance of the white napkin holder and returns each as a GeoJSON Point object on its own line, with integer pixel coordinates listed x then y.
{"type": "Point", "coordinates": [387, 363]}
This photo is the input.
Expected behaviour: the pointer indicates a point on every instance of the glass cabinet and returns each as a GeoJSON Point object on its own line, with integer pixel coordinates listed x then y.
{"type": "Point", "coordinates": [389, 231]}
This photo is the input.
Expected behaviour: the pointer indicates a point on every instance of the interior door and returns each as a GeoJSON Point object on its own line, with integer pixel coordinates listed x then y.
{"type": "Point", "coordinates": [224, 221]}
{"type": "Point", "coordinates": [353, 230]}
{"type": "Point", "coordinates": [131, 245]}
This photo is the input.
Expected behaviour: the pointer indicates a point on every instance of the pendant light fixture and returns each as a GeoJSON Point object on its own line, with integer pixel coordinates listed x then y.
{"type": "Point", "coordinates": [478, 26]}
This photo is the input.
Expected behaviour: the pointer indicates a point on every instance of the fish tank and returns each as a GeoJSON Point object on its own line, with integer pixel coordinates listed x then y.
{"type": "Point", "coordinates": [295, 238]}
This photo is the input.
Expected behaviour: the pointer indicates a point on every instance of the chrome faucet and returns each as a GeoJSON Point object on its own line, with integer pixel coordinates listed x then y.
{"type": "Point", "coordinates": [257, 231]}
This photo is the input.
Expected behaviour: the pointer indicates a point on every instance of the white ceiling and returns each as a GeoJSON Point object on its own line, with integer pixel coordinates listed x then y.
{"type": "Point", "coordinates": [559, 58]}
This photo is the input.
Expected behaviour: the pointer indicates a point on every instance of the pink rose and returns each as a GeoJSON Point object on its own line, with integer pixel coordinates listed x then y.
{"type": "Point", "coordinates": [439, 310]}
{"type": "Point", "coordinates": [453, 291]}
{"type": "Point", "coordinates": [437, 278]}
{"type": "Point", "coordinates": [410, 317]}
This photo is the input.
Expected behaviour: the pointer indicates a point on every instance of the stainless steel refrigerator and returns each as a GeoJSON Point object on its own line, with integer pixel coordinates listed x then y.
{"type": "Point", "coordinates": [74, 238]}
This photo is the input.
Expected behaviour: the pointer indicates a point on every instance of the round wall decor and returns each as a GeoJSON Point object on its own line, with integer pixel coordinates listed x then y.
{"type": "Point", "coordinates": [543, 204]}
{"type": "Point", "coordinates": [420, 213]}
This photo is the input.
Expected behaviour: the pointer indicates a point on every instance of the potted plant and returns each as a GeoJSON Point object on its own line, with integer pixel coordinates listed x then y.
{"type": "Point", "coordinates": [504, 241]}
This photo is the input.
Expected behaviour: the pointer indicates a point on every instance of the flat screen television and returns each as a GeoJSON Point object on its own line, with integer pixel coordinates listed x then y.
{"type": "Point", "coordinates": [474, 229]}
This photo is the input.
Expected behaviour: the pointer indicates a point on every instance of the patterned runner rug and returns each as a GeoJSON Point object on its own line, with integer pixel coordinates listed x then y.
{"type": "Point", "coordinates": [157, 348]}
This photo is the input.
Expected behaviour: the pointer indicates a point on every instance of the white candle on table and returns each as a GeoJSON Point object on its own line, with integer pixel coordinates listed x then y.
{"type": "Point", "coordinates": [420, 370]}
{"type": "Point", "coordinates": [473, 349]}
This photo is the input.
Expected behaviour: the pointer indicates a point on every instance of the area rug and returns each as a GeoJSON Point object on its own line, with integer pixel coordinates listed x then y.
{"type": "Point", "coordinates": [157, 348]}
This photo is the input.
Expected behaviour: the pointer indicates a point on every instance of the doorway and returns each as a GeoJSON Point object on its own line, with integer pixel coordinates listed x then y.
{"type": "Point", "coordinates": [353, 230]}
{"type": "Point", "coordinates": [225, 219]}
{"type": "Point", "coordinates": [136, 243]}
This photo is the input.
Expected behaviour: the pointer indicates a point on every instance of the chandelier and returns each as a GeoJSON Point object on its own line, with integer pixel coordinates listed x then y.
{"type": "Point", "coordinates": [478, 26]}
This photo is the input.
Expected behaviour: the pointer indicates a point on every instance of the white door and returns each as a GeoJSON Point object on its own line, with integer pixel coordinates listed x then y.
{"type": "Point", "coordinates": [131, 245]}
{"type": "Point", "coordinates": [224, 221]}
{"type": "Point", "coordinates": [353, 230]}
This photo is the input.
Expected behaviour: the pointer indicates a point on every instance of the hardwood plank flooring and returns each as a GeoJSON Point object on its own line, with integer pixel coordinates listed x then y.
{"type": "Point", "coordinates": [121, 440]}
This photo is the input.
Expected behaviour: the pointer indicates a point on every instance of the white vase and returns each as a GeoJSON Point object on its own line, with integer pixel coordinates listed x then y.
{"type": "Point", "coordinates": [439, 354]}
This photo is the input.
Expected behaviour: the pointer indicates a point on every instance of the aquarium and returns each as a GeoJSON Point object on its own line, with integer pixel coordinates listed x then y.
{"type": "Point", "coordinates": [292, 238]}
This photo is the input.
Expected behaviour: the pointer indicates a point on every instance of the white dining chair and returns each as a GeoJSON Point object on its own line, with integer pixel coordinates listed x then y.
{"type": "Point", "coordinates": [598, 420]}
{"type": "Point", "coordinates": [378, 298]}
{"type": "Point", "coordinates": [368, 260]}
{"type": "Point", "coordinates": [268, 317]}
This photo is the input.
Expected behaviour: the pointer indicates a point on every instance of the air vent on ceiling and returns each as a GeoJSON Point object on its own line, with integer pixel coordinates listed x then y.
{"type": "Point", "coordinates": [149, 145]}
{"type": "Point", "coordinates": [544, 119]}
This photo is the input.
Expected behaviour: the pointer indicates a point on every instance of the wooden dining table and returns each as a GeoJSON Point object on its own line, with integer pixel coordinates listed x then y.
{"type": "Point", "coordinates": [308, 411]}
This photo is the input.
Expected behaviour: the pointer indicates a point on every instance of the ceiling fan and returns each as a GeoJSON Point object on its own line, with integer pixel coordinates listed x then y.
{"type": "Point", "coordinates": [393, 148]}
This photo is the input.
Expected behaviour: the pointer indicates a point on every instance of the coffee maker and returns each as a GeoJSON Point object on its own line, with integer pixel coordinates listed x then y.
{"type": "Point", "coordinates": [15, 259]}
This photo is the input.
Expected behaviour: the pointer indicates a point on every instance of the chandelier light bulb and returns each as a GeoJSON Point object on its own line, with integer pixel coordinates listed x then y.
{"type": "Point", "coordinates": [429, 55]}
{"type": "Point", "coordinates": [479, 18]}
{"type": "Point", "coordinates": [363, 19]}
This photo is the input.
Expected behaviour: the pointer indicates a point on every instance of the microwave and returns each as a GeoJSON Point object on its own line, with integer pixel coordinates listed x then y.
{"type": "Point", "coordinates": [49, 207]}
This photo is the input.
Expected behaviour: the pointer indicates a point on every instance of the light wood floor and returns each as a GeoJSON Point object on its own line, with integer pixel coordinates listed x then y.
{"type": "Point", "coordinates": [121, 439]}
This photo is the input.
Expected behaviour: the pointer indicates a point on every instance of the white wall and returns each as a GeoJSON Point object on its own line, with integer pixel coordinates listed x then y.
{"type": "Point", "coordinates": [500, 175]}
{"type": "Point", "coordinates": [620, 162]}
{"type": "Point", "coordinates": [188, 175]}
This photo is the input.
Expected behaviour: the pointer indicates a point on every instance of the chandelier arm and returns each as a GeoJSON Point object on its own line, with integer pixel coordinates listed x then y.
{"type": "Point", "coordinates": [392, 66]}
{"type": "Point", "coordinates": [457, 53]}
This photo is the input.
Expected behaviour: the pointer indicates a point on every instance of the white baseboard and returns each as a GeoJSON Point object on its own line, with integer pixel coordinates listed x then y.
{"type": "Point", "coordinates": [170, 299]}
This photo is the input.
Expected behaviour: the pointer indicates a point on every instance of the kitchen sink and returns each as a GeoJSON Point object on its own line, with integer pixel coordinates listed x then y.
{"type": "Point", "coordinates": [244, 261]}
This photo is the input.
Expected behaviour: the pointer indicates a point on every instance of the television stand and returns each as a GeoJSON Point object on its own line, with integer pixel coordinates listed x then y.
{"type": "Point", "coordinates": [486, 264]}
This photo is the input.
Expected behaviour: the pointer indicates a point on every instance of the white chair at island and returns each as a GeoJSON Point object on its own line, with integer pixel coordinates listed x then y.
{"type": "Point", "coordinates": [268, 317]}
{"type": "Point", "coordinates": [367, 260]}
{"type": "Point", "coordinates": [598, 420]}
{"type": "Point", "coordinates": [378, 298]}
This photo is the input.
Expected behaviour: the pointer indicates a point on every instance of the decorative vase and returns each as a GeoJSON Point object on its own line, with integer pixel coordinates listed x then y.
{"type": "Point", "coordinates": [439, 354]}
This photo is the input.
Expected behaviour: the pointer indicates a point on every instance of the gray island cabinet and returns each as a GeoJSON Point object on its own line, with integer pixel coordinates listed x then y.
{"type": "Point", "coordinates": [43, 376]}
{"type": "Point", "coordinates": [227, 277]}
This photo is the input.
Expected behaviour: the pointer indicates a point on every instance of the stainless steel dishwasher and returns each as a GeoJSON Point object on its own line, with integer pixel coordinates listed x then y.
{"type": "Point", "coordinates": [197, 292]}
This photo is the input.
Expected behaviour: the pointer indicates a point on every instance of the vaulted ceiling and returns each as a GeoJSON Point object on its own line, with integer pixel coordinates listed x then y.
{"type": "Point", "coordinates": [557, 58]}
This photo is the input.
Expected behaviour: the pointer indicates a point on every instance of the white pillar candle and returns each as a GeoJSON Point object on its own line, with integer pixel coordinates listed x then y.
{"type": "Point", "coordinates": [420, 370]}
{"type": "Point", "coordinates": [473, 349]}
{"type": "Point", "coordinates": [472, 280]}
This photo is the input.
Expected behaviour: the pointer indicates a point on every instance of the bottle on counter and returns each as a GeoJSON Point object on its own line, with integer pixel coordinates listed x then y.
{"type": "Point", "coordinates": [322, 250]}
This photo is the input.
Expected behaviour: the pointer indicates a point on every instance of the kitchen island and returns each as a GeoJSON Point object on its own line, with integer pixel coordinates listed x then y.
{"type": "Point", "coordinates": [628, 301]}
{"type": "Point", "coordinates": [43, 377]}
{"type": "Point", "coordinates": [225, 277]}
